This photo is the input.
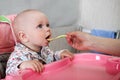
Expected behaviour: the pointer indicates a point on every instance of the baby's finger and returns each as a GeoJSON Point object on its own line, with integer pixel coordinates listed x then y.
{"type": "Point", "coordinates": [39, 66]}
{"type": "Point", "coordinates": [36, 67]}
{"type": "Point", "coordinates": [70, 55]}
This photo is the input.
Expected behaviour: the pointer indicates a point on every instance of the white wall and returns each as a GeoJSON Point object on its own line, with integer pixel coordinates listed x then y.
{"type": "Point", "coordinates": [101, 14]}
{"type": "Point", "coordinates": [59, 12]}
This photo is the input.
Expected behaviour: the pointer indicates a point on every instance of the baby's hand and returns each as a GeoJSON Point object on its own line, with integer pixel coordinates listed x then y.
{"type": "Point", "coordinates": [35, 65]}
{"type": "Point", "coordinates": [66, 53]}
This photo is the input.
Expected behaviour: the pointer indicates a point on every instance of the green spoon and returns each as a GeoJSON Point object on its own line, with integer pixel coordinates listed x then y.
{"type": "Point", "coordinates": [60, 36]}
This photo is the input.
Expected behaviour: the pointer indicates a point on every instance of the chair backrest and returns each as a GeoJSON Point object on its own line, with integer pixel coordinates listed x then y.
{"type": "Point", "coordinates": [7, 41]}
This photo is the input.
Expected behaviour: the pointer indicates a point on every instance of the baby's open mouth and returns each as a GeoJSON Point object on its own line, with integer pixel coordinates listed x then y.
{"type": "Point", "coordinates": [48, 37]}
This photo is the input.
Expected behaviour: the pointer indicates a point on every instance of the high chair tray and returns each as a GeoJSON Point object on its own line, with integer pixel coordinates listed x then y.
{"type": "Point", "coordinates": [85, 66]}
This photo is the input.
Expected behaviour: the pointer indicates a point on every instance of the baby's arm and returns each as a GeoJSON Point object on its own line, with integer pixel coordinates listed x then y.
{"type": "Point", "coordinates": [35, 65]}
{"type": "Point", "coordinates": [51, 56]}
{"type": "Point", "coordinates": [16, 63]}
{"type": "Point", "coordinates": [12, 64]}
{"type": "Point", "coordinates": [65, 53]}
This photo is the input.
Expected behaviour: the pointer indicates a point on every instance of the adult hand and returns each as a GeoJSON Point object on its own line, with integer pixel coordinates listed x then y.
{"type": "Point", "coordinates": [84, 41]}
{"type": "Point", "coordinates": [79, 40]}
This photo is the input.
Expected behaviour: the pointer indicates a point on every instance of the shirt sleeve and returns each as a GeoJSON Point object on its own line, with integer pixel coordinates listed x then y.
{"type": "Point", "coordinates": [50, 56]}
{"type": "Point", "coordinates": [12, 65]}
{"type": "Point", "coordinates": [14, 61]}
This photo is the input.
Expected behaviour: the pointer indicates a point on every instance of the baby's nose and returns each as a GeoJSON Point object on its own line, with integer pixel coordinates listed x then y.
{"type": "Point", "coordinates": [47, 29]}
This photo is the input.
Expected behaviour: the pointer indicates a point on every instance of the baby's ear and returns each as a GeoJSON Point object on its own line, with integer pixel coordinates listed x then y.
{"type": "Point", "coordinates": [22, 36]}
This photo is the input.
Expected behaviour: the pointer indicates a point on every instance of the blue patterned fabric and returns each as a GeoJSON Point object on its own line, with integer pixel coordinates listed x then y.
{"type": "Point", "coordinates": [103, 33]}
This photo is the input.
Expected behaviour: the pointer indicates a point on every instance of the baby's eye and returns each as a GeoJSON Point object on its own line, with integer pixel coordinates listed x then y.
{"type": "Point", "coordinates": [47, 25]}
{"type": "Point", "coordinates": [40, 26]}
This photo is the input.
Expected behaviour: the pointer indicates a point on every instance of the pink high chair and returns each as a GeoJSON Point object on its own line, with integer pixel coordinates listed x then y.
{"type": "Point", "coordinates": [7, 42]}
{"type": "Point", "coordinates": [6, 37]}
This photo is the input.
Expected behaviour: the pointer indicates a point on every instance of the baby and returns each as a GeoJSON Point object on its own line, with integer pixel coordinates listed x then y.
{"type": "Point", "coordinates": [32, 30]}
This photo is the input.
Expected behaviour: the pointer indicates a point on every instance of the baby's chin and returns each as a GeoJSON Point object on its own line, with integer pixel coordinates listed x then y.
{"type": "Point", "coordinates": [47, 44]}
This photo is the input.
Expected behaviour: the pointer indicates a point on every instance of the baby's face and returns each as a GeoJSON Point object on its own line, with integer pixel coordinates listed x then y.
{"type": "Point", "coordinates": [38, 30]}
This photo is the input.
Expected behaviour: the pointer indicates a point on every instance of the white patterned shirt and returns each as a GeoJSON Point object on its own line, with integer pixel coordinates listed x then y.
{"type": "Point", "coordinates": [22, 53]}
